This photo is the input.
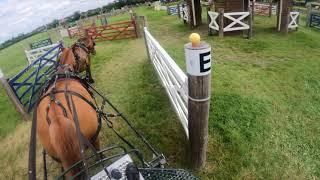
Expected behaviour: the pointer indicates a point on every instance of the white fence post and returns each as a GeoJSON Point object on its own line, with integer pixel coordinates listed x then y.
{"type": "Point", "coordinates": [198, 61]}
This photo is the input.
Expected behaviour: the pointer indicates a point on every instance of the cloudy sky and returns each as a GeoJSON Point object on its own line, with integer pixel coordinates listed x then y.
{"type": "Point", "coordinates": [21, 16]}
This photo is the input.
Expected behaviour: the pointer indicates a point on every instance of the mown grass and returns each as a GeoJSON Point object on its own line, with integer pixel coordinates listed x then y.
{"type": "Point", "coordinates": [264, 115]}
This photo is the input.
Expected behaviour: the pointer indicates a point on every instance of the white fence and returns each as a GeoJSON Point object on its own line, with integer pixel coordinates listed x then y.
{"type": "Point", "coordinates": [172, 77]}
{"type": "Point", "coordinates": [237, 21]}
{"type": "Point", "coordinates": [34, 54]}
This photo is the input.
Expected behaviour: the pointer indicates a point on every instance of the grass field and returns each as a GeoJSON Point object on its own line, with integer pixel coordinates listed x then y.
{"type": "Point", "coordinates": [265, 108]}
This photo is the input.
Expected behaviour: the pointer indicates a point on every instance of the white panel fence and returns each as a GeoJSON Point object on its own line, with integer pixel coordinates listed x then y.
{"type": "Point", "coordinates": [34, 54]}
{"type": "Point", "coordinates": [172, 77]}
{"type": "Point", "coordinates": [237, 21]}
{"type": "Point", "coordinates": [293, 23]}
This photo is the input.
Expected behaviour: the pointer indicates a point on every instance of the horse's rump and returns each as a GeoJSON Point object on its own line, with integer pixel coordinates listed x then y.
{"type": "Point", "coordinates": [87, 115]}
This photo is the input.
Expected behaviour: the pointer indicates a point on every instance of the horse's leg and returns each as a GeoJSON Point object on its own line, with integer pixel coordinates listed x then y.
{"type": "Point", "coordinates": [88, 74]}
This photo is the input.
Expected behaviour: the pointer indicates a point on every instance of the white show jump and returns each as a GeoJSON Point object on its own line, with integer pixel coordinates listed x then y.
{"type": "Point", "coordinates": [237, 19]}
{"type": "Point", "coordinates": [34, 54]}
{"type": "Point", "coordinates": [293, 17]}
{"type": "Point", "coordinates": [213, 24]}
{"type": "Point", "coordinates": [172, 77]}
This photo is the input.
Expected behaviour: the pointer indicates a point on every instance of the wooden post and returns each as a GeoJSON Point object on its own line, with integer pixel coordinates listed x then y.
{"type": "Point", "coordinates": [270, 8]}
{"type": "Point", "coordinates": [283, 16]}
{"type": "Point", "coordinates": [250, 25]}
{"type": "Point", "coordinates": [253, 9]}
{"type": "Point", "coordinates": [134, 21]}
{"type": "Point", "coordinates": [13, 97]}
{"type": "Point", "coordinates": [198, 60]}
{"type": "Point", "coordinates": [145, 25]}
{"type": "Point", "coordinates": [209, 21]}
{"type": "Point", "coordinates": [178, 10]}
{"type": "Point", "coordinates": [308, 16]}
{"type": "Point", "coordinates": [221, 25]}
{"type": "Point", "coordinates": [194, 13]}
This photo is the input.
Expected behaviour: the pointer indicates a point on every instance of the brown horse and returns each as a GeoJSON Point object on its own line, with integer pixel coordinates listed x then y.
{"type": "Point", "coordinates": [82, 50]}
{"type": "Point", "coordinates": [56, 126]}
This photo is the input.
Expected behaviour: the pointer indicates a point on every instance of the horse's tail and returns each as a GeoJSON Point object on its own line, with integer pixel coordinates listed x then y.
{"type": "Point", "coordinates": [64, 140]}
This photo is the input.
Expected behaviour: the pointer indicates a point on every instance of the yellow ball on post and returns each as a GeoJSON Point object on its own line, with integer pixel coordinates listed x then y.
{"type": "Point", "coordinates": [195, 39]}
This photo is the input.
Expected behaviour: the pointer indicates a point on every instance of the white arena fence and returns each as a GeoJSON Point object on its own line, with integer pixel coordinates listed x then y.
{"type": "Point", "coordinates": [34, 54]}
{"type": "Point", "coordinates": [172, 77]}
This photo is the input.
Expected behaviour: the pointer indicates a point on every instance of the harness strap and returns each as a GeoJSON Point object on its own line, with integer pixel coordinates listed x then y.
{"type": "Point", "coordinates": [79, 134]}
{"type": "Point", "coordinates": [32, 147]}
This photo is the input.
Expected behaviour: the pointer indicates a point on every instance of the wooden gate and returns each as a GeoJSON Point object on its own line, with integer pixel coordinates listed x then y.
{"type": "Point", "coordinates": [113, 31]}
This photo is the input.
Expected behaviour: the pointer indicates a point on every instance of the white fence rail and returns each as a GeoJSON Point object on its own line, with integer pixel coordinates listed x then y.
{"type": "Point", "coordinates": [34, 54]}
{"type": "Point", "coordinates": [172, 77]}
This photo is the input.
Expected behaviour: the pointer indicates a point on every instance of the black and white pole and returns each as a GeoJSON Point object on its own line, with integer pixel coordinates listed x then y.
{"type": "Point", "coordinates": [198, 60]}
{"type": "Point", "coordinates": [12, 96]}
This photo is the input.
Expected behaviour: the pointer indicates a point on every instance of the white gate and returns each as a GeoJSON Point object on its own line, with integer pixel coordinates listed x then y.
{"type": "Point", "coordinates": [172, 77]}
{"type": "Point", "coordinates": [34, 54]}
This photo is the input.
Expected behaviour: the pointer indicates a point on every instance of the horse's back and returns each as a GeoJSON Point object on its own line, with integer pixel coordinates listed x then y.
{"type": "Point", "coordinates": [87, 116]}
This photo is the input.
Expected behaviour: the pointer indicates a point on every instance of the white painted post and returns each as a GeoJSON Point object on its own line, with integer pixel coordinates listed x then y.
{"type": "Point", "coordinates": [198, 60]}
{"type": "Point", "coordinates": [12, 96]}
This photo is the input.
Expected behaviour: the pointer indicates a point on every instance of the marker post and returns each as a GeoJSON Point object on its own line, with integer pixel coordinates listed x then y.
{"type": "Point", "coordinates": [198, 60]}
